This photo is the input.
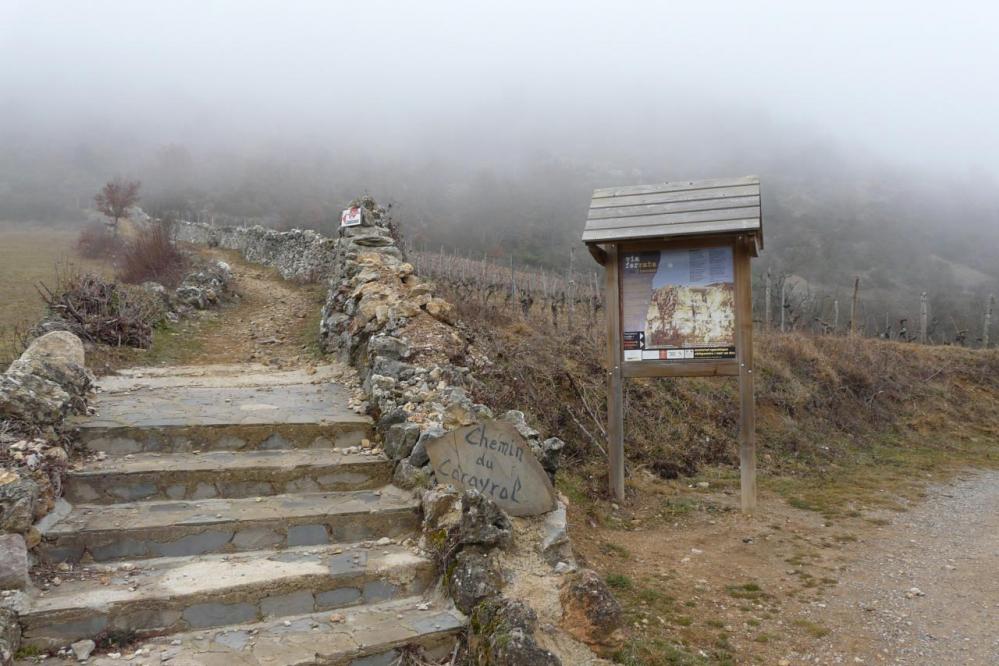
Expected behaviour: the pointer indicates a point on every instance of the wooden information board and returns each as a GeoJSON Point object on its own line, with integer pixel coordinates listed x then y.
{"type": "Point", "coordinates": [678, 304]}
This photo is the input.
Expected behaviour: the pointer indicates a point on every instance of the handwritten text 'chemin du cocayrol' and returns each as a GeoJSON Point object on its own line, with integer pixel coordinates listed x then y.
{"type": "Point", "coordinates": [483, 480]}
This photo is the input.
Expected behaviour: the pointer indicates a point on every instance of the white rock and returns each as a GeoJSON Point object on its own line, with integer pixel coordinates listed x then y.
{"type": "Point", "coordinates": [83, 649]}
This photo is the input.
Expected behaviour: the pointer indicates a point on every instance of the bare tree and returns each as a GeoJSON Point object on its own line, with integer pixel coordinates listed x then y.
{"type": "Point", "coordinates": [115, 198]}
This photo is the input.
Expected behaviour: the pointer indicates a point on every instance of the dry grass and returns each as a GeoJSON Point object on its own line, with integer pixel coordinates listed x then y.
{"type": "Point", "coordinates": [824, 402]}
{"type": "Point", "coordinates": [29, 255]}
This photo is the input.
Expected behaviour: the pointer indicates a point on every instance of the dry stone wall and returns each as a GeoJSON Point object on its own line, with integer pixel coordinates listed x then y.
{"type": "Point", "coordinates": [302, 256]}
{"type": "Point", "coordinates": [417, 361]}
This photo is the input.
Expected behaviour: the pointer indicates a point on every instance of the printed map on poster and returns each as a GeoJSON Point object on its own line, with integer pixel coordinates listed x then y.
{"type": "Point", "coordinates": [678, 304]}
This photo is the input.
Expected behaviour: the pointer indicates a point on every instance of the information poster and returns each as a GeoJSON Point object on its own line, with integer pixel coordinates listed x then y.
{"type": "Point", "coordinates": [678, 304]}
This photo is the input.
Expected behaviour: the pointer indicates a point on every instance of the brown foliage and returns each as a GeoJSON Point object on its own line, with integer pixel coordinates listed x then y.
{"type": "Point", "coordinates": [95, 242]}
{"type": "Point", "coordinates": [819, 397]}
{"type": "Point", "coordinates": [151, 256]}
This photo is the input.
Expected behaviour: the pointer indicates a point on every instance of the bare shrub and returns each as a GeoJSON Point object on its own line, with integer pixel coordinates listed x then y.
{"type": "Point", "coordinates": [96, 242]}
{"type": "Point", "coordinates": [152, 256]}
{"type": "Point", "coordinates": [97, 310]}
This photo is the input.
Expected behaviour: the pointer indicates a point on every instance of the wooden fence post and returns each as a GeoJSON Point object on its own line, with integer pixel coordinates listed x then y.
{"type": "Point", "coordinates": [783, 304]}
{"type": "Point", "coordinates": [835, 315]}
{"type": "Point", "coordinates": [924, 317]}
{"type": "Point", "coordinates": [988, 320]}
{"type": "Point", "coordinates": [513, 279]}
{"type": "Point", "coordinates": [853, 306]}
{"type": "Point", "coordinates": [570, 290]}
{"type": "Point", "coordinates": [766, 302]}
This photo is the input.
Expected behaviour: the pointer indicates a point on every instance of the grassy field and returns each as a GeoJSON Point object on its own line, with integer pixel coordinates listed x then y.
{"type": "Point", "coordinates": [30, 254]}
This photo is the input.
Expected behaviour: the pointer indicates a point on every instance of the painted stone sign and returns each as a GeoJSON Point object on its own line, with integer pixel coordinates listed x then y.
{"type": "Point", "coordinates": [495, 459]}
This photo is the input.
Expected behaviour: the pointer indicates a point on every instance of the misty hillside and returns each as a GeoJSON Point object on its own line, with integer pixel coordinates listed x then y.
{"type": "Point", "coordinates": [826, 221]}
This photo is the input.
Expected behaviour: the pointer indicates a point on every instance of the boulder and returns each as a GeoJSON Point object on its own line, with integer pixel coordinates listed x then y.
{"type": "Point", "coordinates": [441, 508]}
{"type": "Point", "coordinates": [473, 578]}
{"type": "Point", "coordinates": [419, 457]}
{"type": "Point", "coordinates": [501, 633]}
{"type": "Point", "coordinates": [483, 523]}
{"type": "Point", "coordinates": [192, 296]}
{"type": "Point", "coordinates": [389, 347]}
{"type": "Point", "coordinates": [591, 614]}
{"type": "Point", "coordinates": [388, 367]}
{"type": "Point", "coordinates": [400, 440]}
{"type": "Point", "coordinates": [441, 310]}
{"type": "Point", "coordinates": [59, 346]}
{"type": "Point", "coordinates": [13, 562]}
{"type": "Point", "coordinates": [33, 399]}
{"type": "Point", "coordinates": [550, 455]}
{"type": "Point", "coordinates": [18, 498]}
{"type": "Point", "coordinates": [407, 476]}
{"type": "Point", "coordinates": [391, 417]}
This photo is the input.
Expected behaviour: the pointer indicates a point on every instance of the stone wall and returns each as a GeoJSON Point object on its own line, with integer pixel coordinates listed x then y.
{"type": "Point", "coordinates": [302, 256]}
{"type": "Point", "coordinates": [48, 382]}
{"type": "Point", "coordinates": [416, 360]}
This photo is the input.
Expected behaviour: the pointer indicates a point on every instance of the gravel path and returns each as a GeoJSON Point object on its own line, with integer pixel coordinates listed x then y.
{"type": "Point", "coordinates": [927, 589]}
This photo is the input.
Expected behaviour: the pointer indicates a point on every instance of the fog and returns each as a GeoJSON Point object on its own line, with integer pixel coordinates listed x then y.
{"type": "Point", "coordinates": [874, 119]}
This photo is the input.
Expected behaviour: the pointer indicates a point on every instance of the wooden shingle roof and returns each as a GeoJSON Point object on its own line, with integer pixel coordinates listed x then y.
{"type": "Point", "coordinates": [684, 208]}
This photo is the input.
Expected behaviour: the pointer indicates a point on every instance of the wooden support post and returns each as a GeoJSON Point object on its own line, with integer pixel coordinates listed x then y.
{"type": "Point", "coordinates": [853, 306]}
{"type": "Point", "coordinates": [924, 317]}
{"type": "Point", "coordinates": [835, 315]}
{"type": "Point", "coordinates": [990, 304]}
{"type": "Point", "coordinates": [744, 352]}
{"type": "Point", "coordinates": [615, 388]}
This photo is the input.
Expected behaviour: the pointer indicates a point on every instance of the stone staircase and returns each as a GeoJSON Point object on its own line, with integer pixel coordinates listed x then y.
{"type": "Point", "coordinates": [231, 516]}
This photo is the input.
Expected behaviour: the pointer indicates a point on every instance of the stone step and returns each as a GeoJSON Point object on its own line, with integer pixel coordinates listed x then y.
{"type": "Point", "coordinates": [178, 594]}
{"type": "Point", "coordinates": [184, 528]}
{"type": "Point", "coordinates": [376, 635]}
{"type": "Point", "coordinates": [234, 411]}
{"type": "Point", "coordinates": [227, 474]}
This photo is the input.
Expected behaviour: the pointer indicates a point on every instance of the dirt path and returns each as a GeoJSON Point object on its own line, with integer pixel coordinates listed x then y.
{"type": "Point", "coordinates": [789, 586]}
{"type": "Point", "coordinates": [274, 322]}
{"type": "Point", "coordinates": [927, 591]}
{"type": "Point", "coordinates": [271, 321]}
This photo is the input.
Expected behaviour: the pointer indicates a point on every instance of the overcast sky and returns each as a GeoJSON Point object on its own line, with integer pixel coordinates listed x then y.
{"type": "Point", "coordinates": [909, 82]}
